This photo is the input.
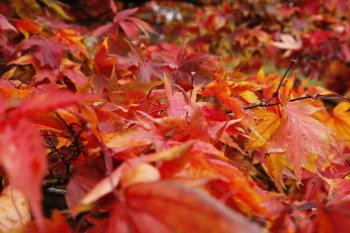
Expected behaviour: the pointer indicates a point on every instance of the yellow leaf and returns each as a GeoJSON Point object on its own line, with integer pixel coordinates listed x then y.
{"type": "Point", "coordinates": [275, 163]}
{"type": "Point", "coordinates": [341, 117]}
{"type": "Point", "coordinates": [247, 199]}
{"type": "Point", "coordinates": [339, 120]}
{"type": "Point", "coordinates": [250, 97]}
{"type": "Point", "coordinates": [170, 154]}
{"type": "Point", "coordinates": [244, 85]}
{"type": "Point", "coordinates": [126, 138]}
{"type": "Point", "coordinates": [14, 210]}
{"type": "Point", "coordinates": [25, 8]}
{"type": "Point", "coordinates": [141, 173]}
{"type": "Point", "coordinates": [261, 75]}
{"type": "Point", "coordinates": [310, 163]}
{"type": "Point", "coordinates": [286, 92]}
{"type": "Point", "coordinates": [268, 124]}
{"type": "Point", "coordinates": [10, 73]}
{"type": "Point", "coordinates": [57, 8]}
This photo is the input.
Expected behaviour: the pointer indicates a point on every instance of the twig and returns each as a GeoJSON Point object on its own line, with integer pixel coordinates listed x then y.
{"type": "Point", "coordinates": [277, 103]}
{"type": "Point", "coordinates": [58, 191]}
{"type": "Point", "coordinates": [64, 123]}
{"type": "Point", "coordinates": [265, 103]}
{"type": "Point", "coordinates": [291, 63]}
{"type": "Point", "coordinates": [275, 94]}
{"type": "Point", "coordinates": [75, 139]}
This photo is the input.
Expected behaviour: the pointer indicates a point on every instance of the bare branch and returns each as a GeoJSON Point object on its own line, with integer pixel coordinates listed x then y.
{"type": "Point", "coordinates": [277, 103]}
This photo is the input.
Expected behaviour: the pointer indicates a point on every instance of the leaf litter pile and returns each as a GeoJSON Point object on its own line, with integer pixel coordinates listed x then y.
{"type": "Point", "coordinates": [174, 117]}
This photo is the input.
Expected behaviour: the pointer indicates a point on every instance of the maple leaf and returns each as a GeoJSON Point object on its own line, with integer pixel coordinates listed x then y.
{"type": "Point", "coordinates": [58, 8]}
{"type": "Point", "coordinates": [73, 72]}
{"type": "Point", "coordinates": [221, 90]}
{"type": "Point", "coordinates": [288, 42]}
{"type": "Point", "coordinates": [5, 25]}
{"type": "Point", "coordinates": [80, 184]}
{"type": "Point", "coordinates": [45, 102]}
{"type": "Point", "coordinates": [41, 73]}
{"type": "Point", "coordinates": [26, 26]}
{"type": "Point", "coordinates": [248, 197]}
{"type": "Point", "coordinates": [300, 136]}
{"type": "Point", "coordinates": [103, 59]}
{"type": "Point", "coordinates": [132, 26]}
{"type": "Point", "coordinates": [166, 131]}
{"type": "Point", "coordinates": [318, 37]}
{"type": "Point", "coordinates": [7, 50]}
{"type": "Point", "coordinates": [194, 211]}
{"type": "Point", "coordinates": [148, 68]}
{"type": "Point", "coordinates": [6, 47]}
{"type": "Point", "coordinates": [107, 185]}
{"type": "Point", "coordinates": [265, 128]}
{"type": "Point", "coordinates": [123, 220]}
{"type": "Point", "coordinates": [275, 164]}
{"type": "Point", "coordinates": [22, 154]}
{"type": "Point", "coordinates": [141, 173]}
{"type": "Point", "coordinates": [339, 189]}
{"type": "Point", "coordinates": [339, 120]}
{"type": "Point", "coordinates": [22, 151]}
{"type": "Point", "coordinates": [145, 130]}
{"type": "Point", "coordinates": [190, 67]}
{"type": "Point", "coordinates": [329, 219]}
{"type": "Point", "coordinates": [30, 8]}
{"type": "Point", "coordinates": [49, 52]}
{"type": "Point", "coordinates": [128, 139]}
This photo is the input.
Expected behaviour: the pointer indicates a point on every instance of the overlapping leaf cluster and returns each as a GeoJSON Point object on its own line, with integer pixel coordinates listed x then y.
{"type": "Point", "coordinates": [250, 34]}
{"type": "Point", "coordinates": [115, 127]}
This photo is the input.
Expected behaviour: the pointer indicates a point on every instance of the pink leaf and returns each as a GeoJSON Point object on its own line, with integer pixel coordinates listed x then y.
{"type": "Point", "coordinates": [81, 183]}
{"type": "Point", "coordinates": [5, 25]}
{"type": "Point", "coordinates": [301, 135]}
{"type": "Point", "coordinates": [45, 102]}
{"type": "Point", "coordinates": [22, 154]}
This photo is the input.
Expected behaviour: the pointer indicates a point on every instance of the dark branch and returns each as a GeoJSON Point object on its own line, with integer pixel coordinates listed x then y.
{"type": "Point", "coordinates": [291, 63]}
{"type": "Point", "coordinates": [275, 94]}
{"type": "Point", "coordinates": [263, 104]}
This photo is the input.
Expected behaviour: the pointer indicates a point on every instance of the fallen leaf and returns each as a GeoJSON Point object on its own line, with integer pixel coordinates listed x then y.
{"type": "Point", "coordinates": [22, 154]}
{"type": "Point", "coordinates": [266, 126]}
{"type": "Point", "coordinates": [109, 183]}
{"type": "Point", "coordinates": [140, 173]}
{"type": "Point", "coordinates": [300, 135]}
{"type": "Point", "coordinates": [338, 120]}
{"type": "Point", "coordinates": [331, 219]}
{"type": "Point", "coordinates": [275, 164]}
{"type": "Point", "coordinates": [5, 25]}
{"type": "Point", "coordinates": [194, 211]}
{"type": "Point", "coordinates": [288, 42]}
{"type": "Point", "coordinates": [80, 184]}
{"type": "Point", "coordinates": [46, 102]}
{"type": "Point", "coordinates": [14, 210]}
